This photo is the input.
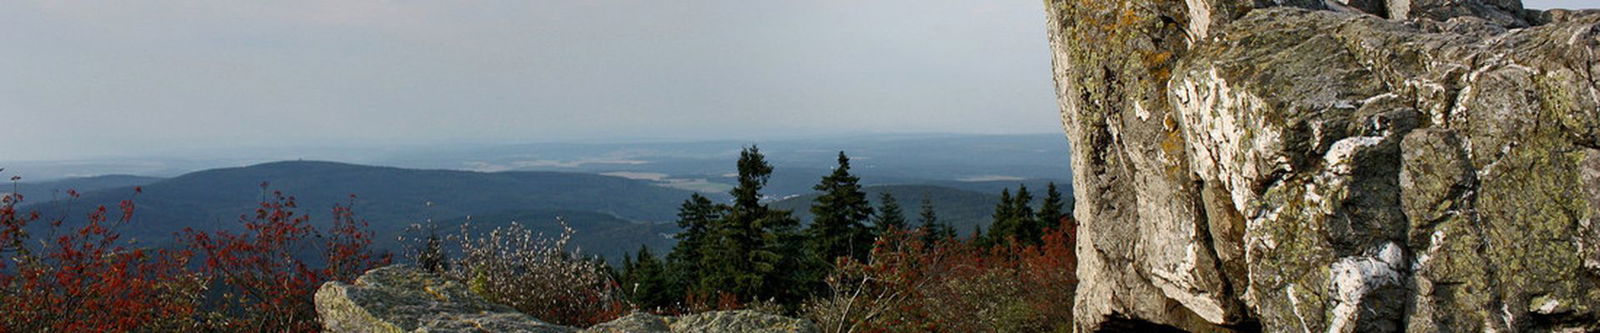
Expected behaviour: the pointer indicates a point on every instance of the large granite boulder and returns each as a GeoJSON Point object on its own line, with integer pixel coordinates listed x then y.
{"type": "Point", "coordinates": [1422, 165]}
{"type": "Point", "coordinates": [403, 298]}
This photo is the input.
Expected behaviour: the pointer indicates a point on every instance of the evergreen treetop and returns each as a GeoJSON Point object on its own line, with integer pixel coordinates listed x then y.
{"type": "Point", "coordinates": [889, 217]}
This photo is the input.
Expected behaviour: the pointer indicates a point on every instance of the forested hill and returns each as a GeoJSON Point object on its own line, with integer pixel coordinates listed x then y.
{"type": "Point", "coordinates": [389, 198]}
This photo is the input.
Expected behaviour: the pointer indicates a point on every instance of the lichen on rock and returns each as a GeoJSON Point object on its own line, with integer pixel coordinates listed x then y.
{"type": "Point", "coordinates": [402, 298]}
{"type": "Point", "coordinates": [1422, 165]}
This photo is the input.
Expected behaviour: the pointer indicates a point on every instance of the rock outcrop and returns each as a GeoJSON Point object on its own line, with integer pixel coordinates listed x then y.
{"type": "Point", "coordinates": [1339, 166]}
{"type": "Point", "coordinates": [715, 321]}
{"type": "Point", "coordinates": [402, 298]}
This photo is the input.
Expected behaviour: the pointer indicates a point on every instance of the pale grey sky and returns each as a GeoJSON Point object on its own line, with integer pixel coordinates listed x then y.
{"type": "Point", "coordinates": [86, 78]}
{"type": "Point", "coordinates": [1548, 4]}
{"type": "Point", "coordinates": [90, 78]}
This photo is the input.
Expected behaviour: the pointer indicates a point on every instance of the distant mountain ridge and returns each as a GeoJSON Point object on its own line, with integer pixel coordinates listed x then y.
{"type": "Point", "coordinates": [57, 189]}
{"type": "Point", "coordinates": [389, 198]}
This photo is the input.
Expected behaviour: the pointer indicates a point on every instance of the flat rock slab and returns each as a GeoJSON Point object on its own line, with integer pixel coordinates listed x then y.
{"type": "Point", "coordinates": [402, 298]}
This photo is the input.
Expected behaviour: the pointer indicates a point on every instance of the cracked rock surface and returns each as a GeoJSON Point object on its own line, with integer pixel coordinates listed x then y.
{"type": "Point", "coordinates": [402, 298]}
{"type": "Point", "coordinates": [1332, 166]}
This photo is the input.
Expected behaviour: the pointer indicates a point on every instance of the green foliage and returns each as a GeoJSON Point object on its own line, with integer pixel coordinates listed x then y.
{"type": "Point", "coordinates": [839, 229]}
{"type": "Point", "coordinates": [753, 251]}
{"type": "Point", "coordinates": [932, 229]}
{"type": "Point", "coordinates": [1050, 212]}
{"type": "Point", "coordinates": [687, 262]}
{"type": "Point", "coordinates": [960, 209]}
{"type": "Point", "coordinates": [889, 216]}
{"type": "Point", "coordinates": [1014, 219]}
{"type": "Point", "coordinates": [645, 279]}
{"type": "Point", "coordinates": [1025, 221]}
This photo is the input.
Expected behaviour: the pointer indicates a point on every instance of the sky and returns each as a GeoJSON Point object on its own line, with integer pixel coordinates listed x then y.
{"type": "Point", "coordinates": [1548, 4]}
{"type": "Point", "coordinates": [90, 78]}
{"type": "Point", "coordinates": [126, 78]}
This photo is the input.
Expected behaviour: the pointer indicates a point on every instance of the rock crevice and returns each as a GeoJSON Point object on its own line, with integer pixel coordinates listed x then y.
{"type": "Point", "coordinates": [1345, 166]}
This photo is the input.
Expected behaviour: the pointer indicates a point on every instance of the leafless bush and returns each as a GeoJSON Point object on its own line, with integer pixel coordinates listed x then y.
{"type": "Point", "coordinates": [515, 266]}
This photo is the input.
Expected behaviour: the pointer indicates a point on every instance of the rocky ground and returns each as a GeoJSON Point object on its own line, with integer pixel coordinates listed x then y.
{"type": "Point", "coordinates": [402, 298]}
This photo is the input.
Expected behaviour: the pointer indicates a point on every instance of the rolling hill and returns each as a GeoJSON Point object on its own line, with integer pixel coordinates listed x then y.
{"type": "Point", "coordinates": [55, 189]}
{"type": "Point", "coordinates": [389, 198]}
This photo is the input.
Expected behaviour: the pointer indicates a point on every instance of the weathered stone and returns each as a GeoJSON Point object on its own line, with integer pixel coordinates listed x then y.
{"type": "Point", "coordinates": [708, 322]}
{"type": "Point", "coordinates": [402, 298]}
{"type": "Point", "coordinates": [638, 322]}
{"type": "Point", "coordinates": [740, 321]}
{"type": "Point", "coordinates": [405, 299]}
{"type": "Point", "coordinates": [1331, 170]}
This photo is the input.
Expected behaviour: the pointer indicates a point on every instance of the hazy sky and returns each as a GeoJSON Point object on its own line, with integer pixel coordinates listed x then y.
{"type": "Point", "coordinates": [89, 78]}
{"type": "Point", "coordinates": [1547, 4]}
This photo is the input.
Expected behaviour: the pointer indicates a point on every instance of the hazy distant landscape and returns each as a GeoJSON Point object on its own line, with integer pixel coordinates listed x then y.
{"type": "Point", "coordinates": [800, 166]}
{"type": "Point", "coordinates": [617, 196]}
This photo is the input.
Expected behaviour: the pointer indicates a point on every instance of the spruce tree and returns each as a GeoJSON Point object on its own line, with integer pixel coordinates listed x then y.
{"type": "Point", "coordinates": [646, 281]}
{"type": "Point", "coordinates": [686, 262]}
{"type": "Point", "coordinates": [1028, 230]}
{"type": "Point", "coordinates": [888, 216]}
{"type": "Point", "coordinates": [1050, 212]}
{"type": "Point", "coordinates": [752, 252]}
{"type": "Point", "coordinates": [841, 212]}
{"type": "Point", "coordinates": [978, 238]}
{"type": "Point", "coordinates": [1003, 221]}
{"type": "Point", "coordinates": [932, 230]}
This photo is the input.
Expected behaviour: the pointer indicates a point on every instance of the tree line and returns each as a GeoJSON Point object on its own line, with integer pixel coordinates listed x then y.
{"type": "Point", "coordinates": [746, 251]}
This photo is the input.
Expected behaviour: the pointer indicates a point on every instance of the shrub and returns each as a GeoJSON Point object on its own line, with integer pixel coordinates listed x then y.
{"type": "Point", "coordinates": [85, 280]}
{"type": "Point", "coordinates": [908, 285]}
{"type": "Point", "coordinates": [514, 266]}
{"type": "Point", "coordinates": [267, 274]}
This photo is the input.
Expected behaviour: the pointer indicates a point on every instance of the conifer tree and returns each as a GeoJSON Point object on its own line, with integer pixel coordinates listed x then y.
{"type": "Point", "coordinates": [1028, 230]}
{"type": "Point", "coordinates": [978, 238]}
{"type": "Point", "coordinates": [752, 252]}
{"type": "Point", "coordinates": [1003, 221]}
{"type": "Point", "coordinates": [644, 278]}
{"type": "Point", "coordinates": [888, 216]}
{"type": "Point", "coordinates": [841, 212]}
{"type": "Point", "coordinates": [1050, 212]}
{"type": "Point", "coordinates": [685, 263]}
{"type": "Point", "coordinates": [933, 230]}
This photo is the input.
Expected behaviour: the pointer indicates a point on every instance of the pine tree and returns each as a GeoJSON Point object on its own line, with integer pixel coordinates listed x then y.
{"type": "Point", "coordinates": [889, 216]}
{"type": "Point", "coordinates": [644, 278]}
{"type": "Point", "coordinates": [978, 238]}
{"type": "Point", "coordinates": [1050, 212]}
{"type": "Point", "coordinates": [686, 262]}
{"type": "Point", "coordinates": [839, 227]}
{"type": "Point", "coordinates": [932, 230]}
{"type": "Point", "coordinates": [753, 251]}
{"type": "Point", "coordinates": [1003, 221]}
{"type": "Point", "coordinates": [1028, 230]}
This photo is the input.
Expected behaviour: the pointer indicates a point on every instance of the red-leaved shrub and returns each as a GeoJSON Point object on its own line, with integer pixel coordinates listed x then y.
{"type": "Point", "coordinates": [85, 280]}
{"type": "Point", "coordinates": [266, 275]}
{"type": "Point", "coordinates": [907, 285]}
